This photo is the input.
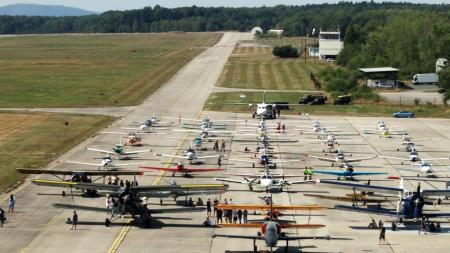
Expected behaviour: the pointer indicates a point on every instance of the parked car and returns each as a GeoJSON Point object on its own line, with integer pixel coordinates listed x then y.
{"type": "Point", "coordinates": [403, 114]}
{"type": "Point", "coordinates": [343, 100]}
{"type": "Point", "coordinates": [313, 99]}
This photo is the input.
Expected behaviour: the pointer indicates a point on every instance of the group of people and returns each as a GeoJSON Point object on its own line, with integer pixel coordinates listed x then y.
{"type": "Point", "coordinates": [308, 173]}
{"type": "Point", "coordinates": [115, 180]}
{"type": "Point", "coordinates": [11, 204]}
{"type": "Point", "coordinates": [232, 216]}
{"type": "Point", "coordinates": [426, 225]}
{"type": "Point", "coordinates": [222, 146]}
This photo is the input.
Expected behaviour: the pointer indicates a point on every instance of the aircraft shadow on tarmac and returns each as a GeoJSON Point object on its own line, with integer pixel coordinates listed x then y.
{"type": "Point", "coordinates": [68, 195]}
{"type": "Point", "coordinates": [155, 224]}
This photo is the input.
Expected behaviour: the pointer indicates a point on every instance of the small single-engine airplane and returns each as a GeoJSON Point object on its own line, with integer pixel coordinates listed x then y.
{"type": "Point", "coordinates": [119, 151]}
{"type": "Point", "coordinates": [131, 138]}
{"type": "Point", "coordinates": [347, 171]}
{"type": "Point", "coordinates": [190, 155]}
{"type": "Point", "coordinates": [107, 163]}
{"type": "Point", "coordinates": [425, 168]}
{"type": "Point", "coordinates": [180, 168]}
{"type": "Point", "coordinates": [84, 176]}
{"type": "Point", "coordinates": [384, 131]}
{"type": "Point", "coordinates": [331, 143]}
{"type": "Point", "coordinates": [265, 181]}
{"type": "Point", "coordinates": [271, 231]}
{"type": "Point", "coordinates": [410, 203]}
{"type": "Point", "coordinates": [264, 159]}
{"type": "Point", "coordinates": [128, 199]}
{"type": "Point", "coordinates": [341, 159]}
{"type": "Point", "coordinates": [205, 132]}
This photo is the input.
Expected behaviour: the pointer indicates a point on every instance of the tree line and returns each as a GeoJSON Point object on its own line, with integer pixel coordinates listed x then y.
{"type": "Point", "coordinates": [403, 35]}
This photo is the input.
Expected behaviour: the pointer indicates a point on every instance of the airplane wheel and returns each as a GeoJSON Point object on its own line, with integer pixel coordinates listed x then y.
{"type": "Point", "coordinates": [107, 222]}
{"type": "Point", "coordinates": [275, 166]}
{"type": "Point", "coordinates": [63, 193]}
{"type": "Point", "coordinates": [253, 165]}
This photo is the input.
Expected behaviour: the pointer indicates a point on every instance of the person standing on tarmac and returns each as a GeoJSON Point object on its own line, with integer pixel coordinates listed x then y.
{"type": "Point", "coordinates": [208, 207]}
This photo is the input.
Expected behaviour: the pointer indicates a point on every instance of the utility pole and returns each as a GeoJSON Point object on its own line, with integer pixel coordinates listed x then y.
{"type": "Point", "coordinates": [306, 41]}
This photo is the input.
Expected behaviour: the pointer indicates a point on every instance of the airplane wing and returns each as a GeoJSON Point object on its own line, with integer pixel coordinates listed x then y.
{"type": "Point", "coordinates": [435, 159]}
{"type": "Point", "coordinates": [158, 168]}
{"type": "Point", "coordinates": [253, 237]}
{"type": "Point", "coordinates": [243, 161]}
{"type": "Point", "coordinates": [85, 163]}
{"type": "Point", "coordinates": [84, 208]}
{"type": "Point", "coordinates": [77, 185]}
{"type": "Point", "coordinates": [175, 156]}
{"type": "Point", "coordinates": [300, 182]}
{"type": "Point", "coordinates": [431, 193]}
{"type": "Point", "coordinates": [360, 159]}
{"type": "Point", "coordinates": [231, 180]}
{"type": "Point", "coordinates": [346, 173]}
{"type": "Point", "coordinates": [136, 152]}
{"type": "Point", "coordinates": [323, 158]}
{"type": "Point", "coordinates": [187, 130]}
{"type": "Point", "coordinates": [202, 169]}
{"type": "Point", "coordinates": [287, 161]}
{"type": "Point", "coordinates": [187, 169]}
{"type": "Point", "coordinates": [84, 172]}
{"type": "Point", "coordinates": [397, 158]}
{"type": "Point", "coordinates": [366, 210]}
{"type": "Point", "coordinates": [180, 190]}
{"type": "Point", "coordinates": [267, 207]}
{"type": "Point", "coordinates": [283, 225]}
{"type": "Point", "coordinates": [101, 151]}
{"type": "Point", "coordinates": [361, 187]}
{"type": "Point", "coordinates": [208, 156]}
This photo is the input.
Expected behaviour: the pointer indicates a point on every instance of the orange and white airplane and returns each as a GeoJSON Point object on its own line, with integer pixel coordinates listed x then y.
{"type": "Point", "coordinates": [271, 231]}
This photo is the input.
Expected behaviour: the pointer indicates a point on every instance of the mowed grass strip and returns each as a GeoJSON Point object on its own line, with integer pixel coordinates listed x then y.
{"type": "Point", "coordinates": [265, 71]}
{"type": "Point", "coordinates": [223, 101]}
{"type": "Point", "coordinates": [43, 138]}
{"type": "Point", "coordinates": [92, 70]}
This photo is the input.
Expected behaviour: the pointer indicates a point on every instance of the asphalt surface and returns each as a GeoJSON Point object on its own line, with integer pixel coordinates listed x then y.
{"type": "Point", "coordinates": [37, 227]}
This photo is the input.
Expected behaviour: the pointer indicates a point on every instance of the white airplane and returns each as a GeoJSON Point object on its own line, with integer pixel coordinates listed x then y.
{"type": "Point", "coordinates": [414, 157]}
{"type": "Point", "coordinates": [263, 109]}
{"type": "Point", "coordinates": [265, 160]}
{"type": "Point", "coordinates": [426, 168]}
{"type": "Point", "coordinates": [331, 143]}
{"type": "Point", "coordinates": [190, 155]}
{"type": "Point", "coordinates": [265, 181]}
{"type": "Point", "coordinates": [341, 159]}
{"type": "Point", "coordinates": [384, 131]}
{"type": "Point", "coordinates": [119, 151]}
{"type": "Point", "coordinates": [106, 163]}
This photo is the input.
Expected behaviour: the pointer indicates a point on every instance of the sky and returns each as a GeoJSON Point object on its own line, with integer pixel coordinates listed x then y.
{"type": "Point", "coordinates": [105, 5]}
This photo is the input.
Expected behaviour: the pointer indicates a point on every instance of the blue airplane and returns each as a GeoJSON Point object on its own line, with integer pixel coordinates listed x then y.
{"type": "Point", "coordinates": [410, 203]}
{"type": "Point", "coordinates": [348, 172]}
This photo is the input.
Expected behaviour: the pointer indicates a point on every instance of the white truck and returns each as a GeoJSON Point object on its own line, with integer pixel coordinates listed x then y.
{"type": "Point", "coordinates": [428, 78]}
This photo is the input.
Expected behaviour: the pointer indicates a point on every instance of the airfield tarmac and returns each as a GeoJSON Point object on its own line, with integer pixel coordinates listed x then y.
{"type": "Point", "coordinates": [37, 227]}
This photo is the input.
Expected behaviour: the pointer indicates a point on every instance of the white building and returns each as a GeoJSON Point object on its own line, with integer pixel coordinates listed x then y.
{"type": "Point", "coordinates": [275, 31]}
{"type": "Point", "coordinates": [330, 44]}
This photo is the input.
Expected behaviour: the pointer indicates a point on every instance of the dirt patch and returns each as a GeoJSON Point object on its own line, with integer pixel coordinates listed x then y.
{"type": "Point", "coordinates": [15, 123]}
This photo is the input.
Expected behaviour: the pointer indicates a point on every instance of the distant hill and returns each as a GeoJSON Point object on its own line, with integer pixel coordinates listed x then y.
{"type": "Point", "coordinates": [42, 10]}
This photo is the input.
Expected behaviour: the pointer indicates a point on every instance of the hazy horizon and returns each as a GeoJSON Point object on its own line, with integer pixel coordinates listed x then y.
{"type": "Point", "coordinates": [105, 5]}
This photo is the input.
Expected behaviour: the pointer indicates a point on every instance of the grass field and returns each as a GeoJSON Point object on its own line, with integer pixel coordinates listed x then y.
{"type": "Point", "coordinates": [34, 139]}
{"type": "Point", "coordinates": [218, 102]}
{"type": "Point", "coordinates": [92, 70]}
{"type": "Point", "coordinates": [256, 68]}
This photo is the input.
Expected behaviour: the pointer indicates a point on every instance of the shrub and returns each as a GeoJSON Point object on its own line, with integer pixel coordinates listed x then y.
{"type": "Point", "coordinates": [286, 51]}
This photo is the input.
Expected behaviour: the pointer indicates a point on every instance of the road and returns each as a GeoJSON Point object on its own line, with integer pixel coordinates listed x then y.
{"type": "Point", "coordinates": [36, 227]}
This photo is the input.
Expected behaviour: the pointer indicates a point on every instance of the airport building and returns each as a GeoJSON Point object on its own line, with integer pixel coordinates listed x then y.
{"type": "Point", "coordinates": [330, 44]}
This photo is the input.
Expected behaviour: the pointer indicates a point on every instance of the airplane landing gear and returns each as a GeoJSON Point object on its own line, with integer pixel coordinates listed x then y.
{"type": "Point", "coordinates": [255, 249]}
{"type": "Point", "coordinates": [63, 193]}
{"type": "Point", "coordinates": [107, 222]}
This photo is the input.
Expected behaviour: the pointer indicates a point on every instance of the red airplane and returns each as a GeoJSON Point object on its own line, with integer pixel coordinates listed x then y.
{"type": "Point", "coordinates": [181, 169]}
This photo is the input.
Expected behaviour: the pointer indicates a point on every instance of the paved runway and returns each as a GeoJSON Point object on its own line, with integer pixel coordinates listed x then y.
{"type": "Point", "coordinates": [37, 227]}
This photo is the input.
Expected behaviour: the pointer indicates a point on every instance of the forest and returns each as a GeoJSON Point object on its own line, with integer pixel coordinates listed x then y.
{"type": "Point", "coordinates": [407, 36]}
